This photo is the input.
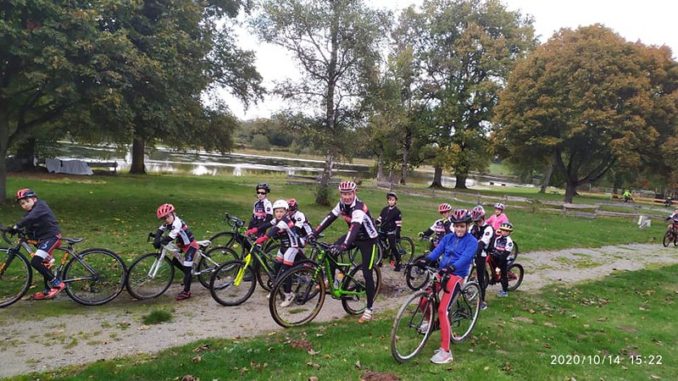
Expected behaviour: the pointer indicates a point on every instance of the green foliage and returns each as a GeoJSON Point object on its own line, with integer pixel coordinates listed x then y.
{"type": "Point", "coordinates": [156, 317]}
{"type": "Point", "coordinates": [261, 142]}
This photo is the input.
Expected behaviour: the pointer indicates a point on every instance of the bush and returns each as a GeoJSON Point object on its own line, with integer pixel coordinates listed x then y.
{"type": "Point", "coordinates": [261, 142]}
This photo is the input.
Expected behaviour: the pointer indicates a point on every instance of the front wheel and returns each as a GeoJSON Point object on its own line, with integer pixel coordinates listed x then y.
{"type": "Point", "coordinates": [232, 283]}
{"type": "Point", "coordinates": [210, 260]}
{"type": "Point", "coordinates": [15, 277]}
{"type": "Point", "coordinates": [515, 276]}
{"type": "Point", "coordinates": [298, 295]}
{"type": "Point", "coordinates": [406, 247]}
{"type": "Point", "coordinates": [412, 326]}
{"type": "Point", "coordinates": [95, 277]}
{"type": "Point", "coordinates": [463, 312]}
{"type": "Point", "coordinates": [416, 276]}
{"type": "Point", "coordinates": [354, 300]}
{"type": "Point", "coordinates": [149, 277]}
{"type": "Point", "coordinates": [668, 238]}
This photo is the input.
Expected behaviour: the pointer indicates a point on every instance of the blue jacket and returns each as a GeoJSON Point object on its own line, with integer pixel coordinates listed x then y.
{"type": "Point", "coordinates": [455, 251]}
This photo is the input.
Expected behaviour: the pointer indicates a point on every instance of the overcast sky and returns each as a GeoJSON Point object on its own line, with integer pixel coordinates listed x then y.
{"type": "Point", "coordinates": [653, 22]}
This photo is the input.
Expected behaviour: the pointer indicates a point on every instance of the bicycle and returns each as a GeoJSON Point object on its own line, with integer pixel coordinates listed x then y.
{"type": "Point", "coordinates": [307, 282]}
{"type": "Point", "coordinates": [409, 335]}
{"type": "Point", "coordinates": [150, 275]}
{"type": "Point", "coordinates": [671, 235]}
{"type": "Point", "coordinates": [515, 271]}
{"type": "Point", "coordinates": [415, 276]}
{"type": "Point", "coordinates": [235, 239]}
{"type": "Point", "coordinates": [404, 245]}
{"type": "Point", "coordinates": [93, 276]}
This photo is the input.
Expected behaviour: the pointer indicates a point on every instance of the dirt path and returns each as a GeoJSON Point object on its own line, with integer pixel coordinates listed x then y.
{"type": "Point", "coordinates": [93, 335]}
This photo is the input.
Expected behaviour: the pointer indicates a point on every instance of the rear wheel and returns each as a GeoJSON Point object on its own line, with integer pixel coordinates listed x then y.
{"type": "Point", "coordinates": [96, 278]}
{"type": "Point", "coordinates": [307, 288]}
{"type": "Point", "coordinates": [515, 276]}
{"type": "Point", "coordinates": [354, 282]}
{"type": "Point", "coordinates": [15, 277]}
{"type": "Point", "coordinates": [148, 277]}
{"type": "Point", "coordinates": [406, 247]}
{"type": "Point", "coordinates": [463, 312]}
{"type": "Point", "coordinates": [210, 260]}
{"type": "Point", "coordinates": [223, 285]}
{"type": "Point", "coordinates": [409, 333]}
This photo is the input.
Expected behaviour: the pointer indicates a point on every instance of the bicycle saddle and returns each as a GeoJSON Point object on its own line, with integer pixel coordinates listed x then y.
{"type": "Point", "coordinates": [72, 241]}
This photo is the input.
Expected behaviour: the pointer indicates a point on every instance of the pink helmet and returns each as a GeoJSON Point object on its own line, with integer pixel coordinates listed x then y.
{"type": "Point", "coordinates": [499, 205]}
{"type": "Point", "coordinates": [25, 193]}
{"type": "Point", "coordinates": [444, 207]}
{"type": "Point", "coordinates": [459, 216]}
{"type": "Point", "coordinates": [477, 213]}
{"type": "Point", "coordinates": [164, 210]}
{"type": "Point", "coordinates": [347, 186]}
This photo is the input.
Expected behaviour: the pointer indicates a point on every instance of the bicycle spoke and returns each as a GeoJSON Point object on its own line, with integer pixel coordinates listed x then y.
{"type": "Point", "coordinates": [149, 277]}
{"type": "Point", "coordinates": [97, 278]}
{"type": "Point", "coordinates": [307, 291]}
{"type": "Point", "coordinates": [411, 327]}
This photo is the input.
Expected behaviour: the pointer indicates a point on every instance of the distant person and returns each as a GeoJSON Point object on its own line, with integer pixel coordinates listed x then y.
{"type": "Point", "coordinates": [390, 222]}
{"type": "Point", "coordinates": [179, 232]}
{"type": "Point", "coordinates": [485, 235]}
{"type": "Point", "coordinates": [440, 227]}
{"type": "Point", "coordinates": [503, 253]}
{"type": "Point", "coordinates": [41, 225]}
{"type": "Point", "coordinates": [627, 196]}
{"type": "Point", "coordinates": [673, 218]}
{"type": "Point", "coordinates": [262, 212]}
{"type": "Point", "coordinates": [499, 217]}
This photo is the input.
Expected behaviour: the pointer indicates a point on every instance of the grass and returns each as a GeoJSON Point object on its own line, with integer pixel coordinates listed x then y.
{"type": "Point", "coordinates": [587, 332]}
{"type": "Point", "coordinates": [156, 317]}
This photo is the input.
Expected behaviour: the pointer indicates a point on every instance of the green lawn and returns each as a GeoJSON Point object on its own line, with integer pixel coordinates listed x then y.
{"type": "Point", "coordinates": [618, 328]}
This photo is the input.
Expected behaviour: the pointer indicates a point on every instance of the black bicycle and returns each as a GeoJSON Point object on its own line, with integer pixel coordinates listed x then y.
{"type": "Point", "coordinates": [404, 245]}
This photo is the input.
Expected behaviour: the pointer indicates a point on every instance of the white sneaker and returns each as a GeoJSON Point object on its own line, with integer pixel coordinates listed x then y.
{"type": "Point", "coordinates": [423, 327]}
{"type": "Point", "coordinates": [442, 357]}
{"type": "Point", "coordinates": [289, 298]}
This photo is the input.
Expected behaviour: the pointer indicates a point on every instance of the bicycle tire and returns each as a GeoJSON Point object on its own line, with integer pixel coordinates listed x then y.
{"type": "Point", "coordinates": [139, 282]}
{"type": "Point", "coordinates": [415, 276]}
{"type": "Point", "coordinates": [224, 239]}
{"type": "Point", "coordinates": [15, 277]}
{"type": "Point", "coordinates": [102, 282]}
{"type": "Point", "coordinates": [515, 276]}
{"type": "Point", "coordinates": [223, 288]}
{"type": "Point", "coordinates": [205, 267]}
{"type": "Point", "coordinates": [463, 312]}
{"type": "Point", "coordinates": [355, 281]}
{"type": "Point", "coordinates": [264, 277]}
{"type": "Point", "coordinates": [668, 238]}
{"type": "Point", "coordinates": [306, 282]}
{"type": "Point", "coordinates": [407, 246]}
{"type": "Point", "coordinates": [407, 339]}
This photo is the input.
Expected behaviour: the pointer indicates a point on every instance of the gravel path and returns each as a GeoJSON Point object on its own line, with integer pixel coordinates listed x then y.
{"type": "Point", "coordinates": [93, 334]}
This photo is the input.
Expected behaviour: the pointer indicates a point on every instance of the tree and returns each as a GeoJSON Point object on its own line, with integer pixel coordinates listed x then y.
{"type": "Point", "coordinates": [464, 50]}
{"type": "Point", "coordinates": [336, 45]}
{"type": "Point", "coordinates": [591, 99]}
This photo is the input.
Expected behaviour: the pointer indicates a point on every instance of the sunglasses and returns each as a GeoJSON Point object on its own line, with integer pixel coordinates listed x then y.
{"type": "Point", "coordinates": [261, 192]}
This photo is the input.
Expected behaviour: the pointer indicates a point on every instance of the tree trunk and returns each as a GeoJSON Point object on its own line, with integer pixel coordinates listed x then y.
{"type": "Point", "coordinates": [4, 146]}
{"type": "Point", "coordinates": [380, 168]}
{"type": "Point", "coordinates": [407, 144]}
{"type": "Point", "coordinates": [25, 154]}
{"type": "Point", "coordinates": [138, 148]}
{"type": "Point", "coordinates": [570, 191]}
{"type": "Point", "coordinates": [617, 183]}
{"type": "Point", "coordinates": [322, 196]}
{"type": "Point", "coordinates": [460, 180]}
{"type": "Point", "coordinates": [437, 177]}
{"type": "Point", "coordinates": [547, 176]}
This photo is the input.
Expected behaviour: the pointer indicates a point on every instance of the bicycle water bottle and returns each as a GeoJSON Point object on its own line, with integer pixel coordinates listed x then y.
{"type": "Point", "coordinates": [497, 271]}
{"type": "Point", "coordinates": [338, 277]}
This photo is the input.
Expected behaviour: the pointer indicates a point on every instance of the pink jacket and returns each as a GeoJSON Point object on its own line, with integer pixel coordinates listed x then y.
{"type": "Point", "coordinates": [496, 221]}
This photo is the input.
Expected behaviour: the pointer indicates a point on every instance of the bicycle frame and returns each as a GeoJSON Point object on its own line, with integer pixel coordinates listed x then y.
{"type": "Point", "coordinates": [68, 251]}
{"type": "Point", "coordinates": [325, 262]}
{"type": "Point", "coordinates": [172, 249]}
{"type": "Point", "coordinates": [253, 253]}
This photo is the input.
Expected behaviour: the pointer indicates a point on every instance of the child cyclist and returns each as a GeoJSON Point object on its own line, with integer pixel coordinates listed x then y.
{"type": "Point", "coordinates": [440, 227]}
{"type": "Point", "coordinates": [454, 255]}
{"type": "Point", "coordinates": [262, 212]}
{"type": "Point", "coordinates": [391, 221]}
{"type": "Point", "coordinates": [283, 228]}
{"type": "Point", "coordinates": [499, 217]}
{"type": "Point", "coordinates": [484, 233]}
{"type": "Point", "coordinates": [301, 225]}
{"type": "Point", "coordinates": [362, 233]}
{"type": "Point", "coordinates": [502, 252]}
{"type": "Point", "coordinates": [179, 231]}
{"type": "Point", "coordinates": [673, 218]}
{"type": "Point", "coordinates": [41, 226]}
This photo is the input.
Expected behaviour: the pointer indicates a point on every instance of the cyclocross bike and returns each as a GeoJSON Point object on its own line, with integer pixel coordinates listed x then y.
{"type": "Point", "coordinates": [492, 274]}
{"type": "Point", "coordinates": [235, 238]}
{"type": "Point", "coordinates": [409, 334]}
{"type": "Point", "coordinates": [150, 275]}
{"type": "Point", "coordinates": [92, 276]}
{"type": "Point", "coordinates": [311, 280]}
{"type": "Point", "coordinates": [671, 235]}
{"type": "Point", "coordinates": [404, 245]}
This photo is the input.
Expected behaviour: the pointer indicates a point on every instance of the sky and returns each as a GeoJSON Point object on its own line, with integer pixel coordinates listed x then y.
{"type": "Point", "coordinates": [653, 22]}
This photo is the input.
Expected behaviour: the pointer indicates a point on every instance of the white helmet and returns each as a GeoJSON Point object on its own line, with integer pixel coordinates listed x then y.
{"type": "Point", "coordinates": [280, 204]}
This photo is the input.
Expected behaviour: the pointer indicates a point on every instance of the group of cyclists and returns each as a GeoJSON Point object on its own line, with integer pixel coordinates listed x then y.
{"type": "Point", "coordinates": [457, 239]}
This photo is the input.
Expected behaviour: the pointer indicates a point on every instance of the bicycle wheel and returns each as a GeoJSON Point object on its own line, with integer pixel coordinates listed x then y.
{"type": "Point", "coordinates": [210, 260]}
{"type": "Point", "coordinates": [266, 275]}
{"type": "Point", "coordinates": [305, 281]}
{"type": "Point", "coordinates": [354, 281]}
{"type": "Point", "coordinates": [95, 276]}
{"type": "Point", "coordinates": [406, 248]}
{"type": "Point", "coordinates": [463, 312]}
{"type": "Point", "coordinates": [408, 334]}
{"type": "Point", "coordinates": [15, 277]}
{"type": "Point", "coordinates": [668, 238]}
{"type": "Point", "coordinates": [515, 276]}
{"type": "Point", "coordinates": [415, 276]}
{"type": "Point", "coordinates": [225, 239]}
{"type": "Point", "coordinates": [223, 287]}
{"type": "Point", "coordinates": [148, 278]}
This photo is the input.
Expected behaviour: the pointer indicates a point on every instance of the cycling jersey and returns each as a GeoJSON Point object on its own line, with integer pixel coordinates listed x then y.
{"type": "Point", "coordinates": [40, 222]}
{"type": "Point", "coordinates": [357, 217]}
{"type": "Point", "coordinates": [484, 234]}
{"type": "Point", "coordinates": [390, 219]}
{"type": "Point", "coordinates": [179, 231]}
{"type": "Point", "coordinates": [496, 221]}
{"type": "Point", "coordinates": [262, 212]}
{"type": "Point", "coordinates": [301, 225]}
{"type": "Point", "coordinates": [503, 244]}
{"type": "Point", "coordinates": [439, 229]}
{"type": "Point", "coordinates": [284, 230]}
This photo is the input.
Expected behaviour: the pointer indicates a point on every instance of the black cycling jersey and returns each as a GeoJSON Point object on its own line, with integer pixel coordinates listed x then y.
{"type": "Point", "coordinates": [262, 212]}
{"type": "Point", "coordinates": [390, 219]}
{"type": "Point", "coordinates": [40, 222]}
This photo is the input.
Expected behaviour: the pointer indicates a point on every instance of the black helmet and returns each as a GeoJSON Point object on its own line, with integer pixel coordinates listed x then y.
{"type": "Point", "coordinates": [391, 194]}
{"type": "Point", "coordinates": [263, 186]}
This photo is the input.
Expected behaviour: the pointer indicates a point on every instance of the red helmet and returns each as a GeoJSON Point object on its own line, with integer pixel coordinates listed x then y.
{"type": "Point", "coordinates": [477, 213]}
{"type": "Point", "coordinates": [292, 203]}
{"type": "Point", "coordinates": [459, 216]}
{"type": "Point", "coordinates": [444, 207]}
{"type": "Point", "coordinates": [25, 193]}
{"type": "Point", "coordinates": [164, 210]}
{"type": "Point", "coordinates": [347, 186]}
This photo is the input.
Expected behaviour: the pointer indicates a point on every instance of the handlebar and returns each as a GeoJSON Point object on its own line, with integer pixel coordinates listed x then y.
{"type": "Point", "coordinates": [233, 220]}
{"type": "Point", "coordinates": [9, 230]}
